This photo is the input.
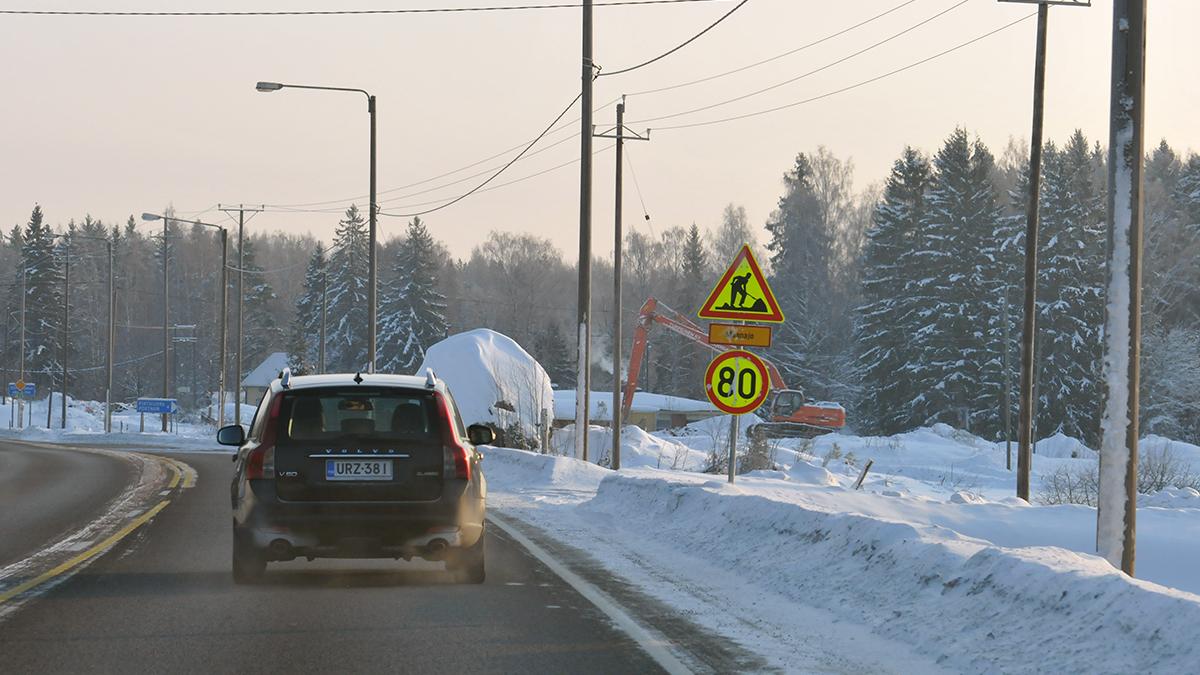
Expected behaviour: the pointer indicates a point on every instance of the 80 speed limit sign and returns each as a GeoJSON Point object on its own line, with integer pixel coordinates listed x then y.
{"type": "Point", "coordinates": [737, 382]}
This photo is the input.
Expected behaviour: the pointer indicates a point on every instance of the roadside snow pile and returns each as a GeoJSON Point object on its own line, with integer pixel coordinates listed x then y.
{"type": "Point", "coordinates": [966, 583]}
{"type": "Point", "coordinates": [1061, 446]}
{"type": "Point", "coordinates": [926, 586]}
{"type": "Point", "coordinates": [1171, 498]}
{"type": "Point", "coordinates": [493, 379]}
{"type": "Point", "coordinates": [85, 424]}
{"type": "Point", "coordinates": [638, 449]}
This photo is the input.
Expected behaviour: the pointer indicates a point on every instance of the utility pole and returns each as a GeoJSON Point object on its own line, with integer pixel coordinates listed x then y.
{"type": "Point", "coordinates": [324, 314]}
{"type": "Point", "coordinates": [166, 384]}
{"type": "Point", "coordinates": [21, 376]}
{"type": "Point", "coordinates": [583, 325]}
{"type": "Point", "coordinates": [112, 339]}
{"type": "Point", "coordinates": [241, 211]}
{"type": "Point", "coordinates": [372, 255]}
{"type": "Point", "coordinates": [66, 331]}
{"type": "Point", "coordinates": [1029, 327]}
{"type": "Point", "coordinates": [221, 381]}
{"type": "Point", "coordinates": [1116, 516]}
{"type": "Point", "coordinates": [1007, 389]}
{"type": "Point", "coordinates": [618, 132]}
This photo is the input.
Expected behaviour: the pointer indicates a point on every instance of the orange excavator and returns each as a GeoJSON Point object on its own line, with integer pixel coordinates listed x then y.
{"type": "Point", "coordinates": [789, 413]}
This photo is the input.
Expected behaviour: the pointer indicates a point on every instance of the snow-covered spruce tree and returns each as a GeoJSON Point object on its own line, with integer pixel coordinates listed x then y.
{"type": "Point", "coordinates": [883, 340]}
{"type": "Point", "coordinates": [1070, 301]}
{"type": "Point", "coordinates": [261, 334]}
{"type": "Point", "coordinates": [1170, 384]}
{"type": "Point", "coordinates": [552, 351]}
{"type": "Point", "coordinates": [41, 261]}
{"type": "Point", "coordinates": [693, 277]}
{"type": "Point", "coordinates": [346, 321]}
{"type": "Point", "coordinates": [799, 252]}
{"type": "Point", "coordinates": [413, 311]}
{"type": "Point", "coordinates": [305, 332]}
{"type": "Point", "coordinates": [955, 297]}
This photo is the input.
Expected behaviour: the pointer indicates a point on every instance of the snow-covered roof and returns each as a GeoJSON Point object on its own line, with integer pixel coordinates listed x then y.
{"type": "Point", "coordinates": [266, 371]}
{"type": "Point", "coordinates": [643, 402]}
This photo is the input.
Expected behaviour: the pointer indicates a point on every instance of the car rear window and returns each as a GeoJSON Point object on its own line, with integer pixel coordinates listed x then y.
{"type": "Point", "coordinates": [385, 414]}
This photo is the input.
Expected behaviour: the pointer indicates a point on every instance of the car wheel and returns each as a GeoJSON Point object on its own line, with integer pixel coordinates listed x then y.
{"type": "Point", "coordinates": [249, 564]}
{"type": "Point", "coordinates": [468, 563]}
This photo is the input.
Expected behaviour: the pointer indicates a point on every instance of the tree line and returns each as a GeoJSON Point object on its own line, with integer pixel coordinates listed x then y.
{"type": "Point", "coordinates": [903, 299]}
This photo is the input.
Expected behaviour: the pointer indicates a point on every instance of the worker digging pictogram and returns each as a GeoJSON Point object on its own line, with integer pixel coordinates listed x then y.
{"type": "Point", "coordinates": [742, 293]}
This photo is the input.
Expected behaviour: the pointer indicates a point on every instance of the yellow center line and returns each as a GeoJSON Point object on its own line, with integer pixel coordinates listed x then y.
{"type": "Point", "coordinates": [87, 555]}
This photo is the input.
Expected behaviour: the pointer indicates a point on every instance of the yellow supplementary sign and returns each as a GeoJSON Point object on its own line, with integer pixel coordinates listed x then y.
{"type": "Point", "coordinates": [737, 382]}
{"type": "Point", "coordinates": [742, 293]}
{"type": "Point", "coordinates": [739, 336]}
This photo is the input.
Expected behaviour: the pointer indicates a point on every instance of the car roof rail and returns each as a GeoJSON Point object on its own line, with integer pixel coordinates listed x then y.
{"type": "Point", "coordinates": [430, 379]}
{"type": "Point", "coordinates": [285, 378]}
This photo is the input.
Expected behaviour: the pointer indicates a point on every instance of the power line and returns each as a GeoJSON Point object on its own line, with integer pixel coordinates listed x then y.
{"type": "Point", "coordinates": [850, 87]}
{"type": "Point", "coordinates": [497, 174]}
{"type": "Point", "coordinates": [679, 46]}
{"type": "Point", "coordinates": [777, 56]}
{"type": "Point", "coordinates": [827, 66]}
{"type": "Point", "coordinates": [349, 12]}
{"type": "Point", "coordinates": [460, 169]}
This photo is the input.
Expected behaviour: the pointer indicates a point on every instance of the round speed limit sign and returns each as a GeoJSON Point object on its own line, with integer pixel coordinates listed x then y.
{"type": "Point", "coordinates": [737, 382]}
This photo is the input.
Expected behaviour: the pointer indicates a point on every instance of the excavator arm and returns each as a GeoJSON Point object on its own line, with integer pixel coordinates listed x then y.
{"type": "Point", "coordinates": [654, 312]}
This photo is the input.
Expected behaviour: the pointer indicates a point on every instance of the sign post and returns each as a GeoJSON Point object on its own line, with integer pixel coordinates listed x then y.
{"type": "Point", "coordinates": [737, 381]}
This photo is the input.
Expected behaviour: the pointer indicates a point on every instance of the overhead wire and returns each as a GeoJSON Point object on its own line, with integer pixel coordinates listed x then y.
{"type": "Point", "coordinates": [825, 67]}
{"type": "Point", "coordinates": [497, 173]}
{"type": "Point", "coordinates": [765, 61]}
{"type": "Point", "coordinates": [856, 85]}
{"type": "Point", "coordinates": [347, 12]}
{"type": "Point", "coordinates": [677, 47]}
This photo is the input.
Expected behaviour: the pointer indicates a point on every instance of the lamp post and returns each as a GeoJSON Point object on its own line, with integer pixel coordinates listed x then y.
{"type": "Point", "coordinates": [224, 311]}
{"type": "Point", "coordinates": [372, 276]}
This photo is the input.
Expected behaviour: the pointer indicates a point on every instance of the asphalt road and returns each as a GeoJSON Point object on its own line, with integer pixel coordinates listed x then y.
{"type": "Point", "coordinates": [46, 493]}
{"type": "Point", "coordinates": [163, 599]}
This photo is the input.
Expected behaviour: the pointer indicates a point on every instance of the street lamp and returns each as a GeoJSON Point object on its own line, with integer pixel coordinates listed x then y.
{"type": "Point", "coordinates": [224, 310]}
{"type": "Point", "coordinates": [372, 276]}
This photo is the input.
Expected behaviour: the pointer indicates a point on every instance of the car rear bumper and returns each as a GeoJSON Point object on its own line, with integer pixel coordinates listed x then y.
{"type": "Point", "coordinates": [287, 530]}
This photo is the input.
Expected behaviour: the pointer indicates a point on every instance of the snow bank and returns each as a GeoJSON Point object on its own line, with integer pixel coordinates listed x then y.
{"type": "Point", "coordinates": [967, 604]}
{"type": "Point", "coordinates": [638, 449]}
{"type": "Point", "coordinates": [493, 379]}
{"type": "Point", "coordinates": [600, 403]}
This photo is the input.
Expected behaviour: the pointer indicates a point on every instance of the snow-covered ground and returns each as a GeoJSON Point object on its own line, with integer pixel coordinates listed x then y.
{"type": "Point", "coordinates": [85, 424]}
{"type": "Point", "coordinates": [933, 563]}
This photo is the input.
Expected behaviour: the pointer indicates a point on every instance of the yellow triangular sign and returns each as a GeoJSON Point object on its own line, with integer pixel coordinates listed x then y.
{"type": "Point", "coordinates": [742, 293]}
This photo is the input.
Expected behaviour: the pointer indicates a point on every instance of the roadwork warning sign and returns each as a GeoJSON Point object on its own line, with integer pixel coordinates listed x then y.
{"type": "Point", "coordinates": [742, 293]}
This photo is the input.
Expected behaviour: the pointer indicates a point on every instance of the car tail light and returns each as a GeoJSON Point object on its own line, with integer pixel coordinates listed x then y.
{"type": "Point", "coordinates": [454, 452]}
{"type": "Point", "coordinates": [260, 463]}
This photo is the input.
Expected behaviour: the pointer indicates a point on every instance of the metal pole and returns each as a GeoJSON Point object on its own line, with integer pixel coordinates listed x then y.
{"type": "Point", "coordinates": [21, 376]}
{"type": "Point", "coordinates": [166, 385]}
{"type": "Point", "coordinates": [617, 245]}
{"type": "Point", "coordinates": [583, 327]}
{"type": "Point", "coordinates": [237, 374]}
{"type": "Point", "coordinates": [372, 281]}
{"type": "Point", "coordinates": [324, 313]}
{"type": "Point", "coordinates": [1028, 333]}
{"type": "Point", "coordinates": [221, 382]}
{"type": "Point", "coordinates": [112, 333]}
{"type": "Point", "coordinates": [734, 430]}
{"type": "Point", "coordinates": [1007, 389]}
{"type": "Point", "coordinates": [66, 330]}
{"type": "Point", "coordinates": [1117, 503]}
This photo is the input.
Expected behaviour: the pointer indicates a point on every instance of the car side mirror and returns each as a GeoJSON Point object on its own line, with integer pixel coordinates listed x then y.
{"type": "Point", "coordinates": [233, 434]}
{"type": "Point", "coordinates": [481, 434]}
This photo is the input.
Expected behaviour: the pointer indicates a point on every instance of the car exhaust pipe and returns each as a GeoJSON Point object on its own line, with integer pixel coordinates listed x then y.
{"type": "Point", "coordinates": [281, 549]}
{"type": "Point", "coordinates": [437, 548]}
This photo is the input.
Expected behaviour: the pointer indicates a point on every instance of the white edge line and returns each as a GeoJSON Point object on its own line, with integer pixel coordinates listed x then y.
{"type": "Point", "coordinates": [647, 640]}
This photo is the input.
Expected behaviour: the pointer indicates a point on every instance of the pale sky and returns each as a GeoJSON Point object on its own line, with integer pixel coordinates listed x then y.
{"type": "Point", "coordinates": [113, 116]}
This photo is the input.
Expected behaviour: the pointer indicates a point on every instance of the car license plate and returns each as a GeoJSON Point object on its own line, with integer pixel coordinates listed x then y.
{"type": "Point", "coordinates": [358, 469]}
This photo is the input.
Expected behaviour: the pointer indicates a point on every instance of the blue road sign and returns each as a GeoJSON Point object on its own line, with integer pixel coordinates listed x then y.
{"type": "Point", "coordinates": [156, 406]}
{"type": "Point", "coordinates": [12, 389]}
{"type": "Point", "coordinates": [30, 390]}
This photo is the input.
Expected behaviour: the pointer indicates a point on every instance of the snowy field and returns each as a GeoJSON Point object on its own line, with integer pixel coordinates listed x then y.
{"type": "Point", "coordinates": [85, 424]}
{"type": "Point", "coordinates": [932, 564]}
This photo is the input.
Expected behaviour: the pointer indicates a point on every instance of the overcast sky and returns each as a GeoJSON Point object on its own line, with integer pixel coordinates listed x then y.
{"type": "Point", "coordinates": [113, 116]}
